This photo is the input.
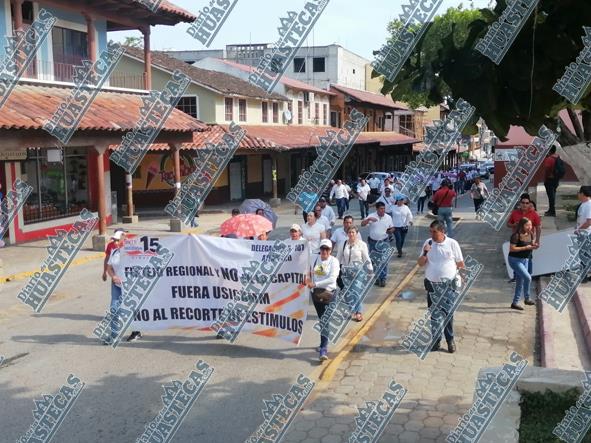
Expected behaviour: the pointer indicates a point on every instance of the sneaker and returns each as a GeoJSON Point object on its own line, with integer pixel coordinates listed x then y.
{"type": "Point", "coordinates": [323, 354]}
{"type": "Point", "coordinates": [436, 347]}
{"type": "Point", "coordinates": [451, 347]}
{"type": "Point", "coordinates": [529, 302]}
{"type": "Point", "coordinates": [550, 214]}
{"type": "Point", "coordinates": [135, 335]}
{"type": "Point", "coordinates": [400, 254]}
{"type": "Point", "coordinates": [515, 306]}
{"type": "Point", "coordinates": [219, 336]}
{"type": "Point", "coordinates": [511, 280]}
{"type": "Point", "coordinates": [382, 283]}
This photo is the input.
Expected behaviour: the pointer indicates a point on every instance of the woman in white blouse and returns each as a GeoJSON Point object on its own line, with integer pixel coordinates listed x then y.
{"type": "Point", "coordinates": [354, 252]}
{"type": "Point", "coordinates": [401, 219]}
{"type": "Point", "coordinates": [313, 232]}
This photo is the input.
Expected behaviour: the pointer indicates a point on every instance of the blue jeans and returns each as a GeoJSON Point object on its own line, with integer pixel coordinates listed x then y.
{"type": "Point", "coordinates": [440, 315]}
{"type": "Point", "coordinates": [116, 296]}
{"type": "Point", "coordinates": [520, 268]}
{"type": "Point", "coordinates": [363, 208]}
{"type": "Point", "coordinates": [371, 243]}
{"type": "Point", "coordinates": [400, 235]}
{"type": "Point", "coordinates": [341, 206]}
{"type": "Point", "coordinates": [445, 215]}
{"type": "Point", "coordinates": [421, 204]}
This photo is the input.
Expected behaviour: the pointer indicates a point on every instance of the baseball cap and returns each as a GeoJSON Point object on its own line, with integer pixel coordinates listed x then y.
{"type": "Point", "coordinates": [326, 243]}
{"type": "Point", "coordinates": [118, 233]}
{"type": "Point", "coordinates": [295, 227]}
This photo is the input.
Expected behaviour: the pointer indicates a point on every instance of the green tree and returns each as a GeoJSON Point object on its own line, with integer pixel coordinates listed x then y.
{"type": "Point", "coordinates": [134, 42]}
{"type": "Point", "coordinates": [519, 90]}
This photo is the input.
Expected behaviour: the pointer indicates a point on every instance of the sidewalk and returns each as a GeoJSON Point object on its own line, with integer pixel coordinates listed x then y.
{"type": "Point", "coordinates": [440, 388]}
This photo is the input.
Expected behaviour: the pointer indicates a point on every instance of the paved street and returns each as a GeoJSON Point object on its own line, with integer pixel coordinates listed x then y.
{"type": "Point", "coordinates": [123, 386]}
{"type": "Point", "coordinates": [441, 387]}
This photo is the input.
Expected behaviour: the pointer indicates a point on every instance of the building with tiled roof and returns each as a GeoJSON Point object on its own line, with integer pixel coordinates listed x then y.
{"type": "Point", "coordinates": [65, 179]}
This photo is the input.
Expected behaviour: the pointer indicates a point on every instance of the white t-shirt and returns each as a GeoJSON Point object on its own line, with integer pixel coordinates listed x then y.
{"type": "Point", "coordinates": [363, 191]}
{"type": "Point", "coordinates": [324, 222]}
{"type": "Point", "coordinates": [328, 212]}
{"type": "Point", "coordinates": [115, 262]}
{"type": "Point", "coordinates": [442, 259]}
{"type": "Point", "coordinates": [339, 235]}
{"type": "Point", "coordinates": [584, 213]}
{"type": "Point", "coordinates": [401, 216]}
{"type": "Point", "coordinates": [312, 235]}
{"type": "Point", "coordinates": [339, 192]}
{"type": "Point", "coordinates": [377, 229]}
{"type": "Point", "coordinates": [374, 183]}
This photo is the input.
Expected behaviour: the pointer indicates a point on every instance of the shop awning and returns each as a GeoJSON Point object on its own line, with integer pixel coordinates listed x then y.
{"type": "Point", "coordinates": [30, 106]}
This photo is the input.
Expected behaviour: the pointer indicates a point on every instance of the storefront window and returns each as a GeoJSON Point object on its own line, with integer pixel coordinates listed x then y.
{"type": "Point", "coordinates": [60, 183]}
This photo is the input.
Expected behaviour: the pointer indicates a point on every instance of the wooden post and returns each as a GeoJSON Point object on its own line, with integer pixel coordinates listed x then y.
{"type": "Point", "coordinates": [147, 59]}
{"type": "Point", "coordinates": [175, 223]}
{"type": "Point", "coordinates": [99, 241]}
{"type": "Point", "coordinates": [91, 37]}
{"type": "Point", "coordinates": [18, 21]}
{"type": "Point", "coordinates": [130, 217]}
{"type": "Point", "coordinates": [275, 201]}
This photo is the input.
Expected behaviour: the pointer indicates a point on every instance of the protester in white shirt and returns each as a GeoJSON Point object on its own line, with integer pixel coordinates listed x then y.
{"type": "Point", "coordinates": [323, 282]}
{"type": "Point", "coordinates": [322, 220]}
{"type": "Point", "coordinates": [363, 190]}
{"type": "Point", "coordinates": [313, 232]}
{"type": "Point", "coordinates": [374, 183]}
{"type": "Point", "coordinates": [386, 185]}
{"type": "Point", "coordinates": [353, 253]}
{"type": "Point", "coordinates": [401, 219]}
{"type": "Point", "coordinates": [339, 191]}
{"type": "Point", "coordinates": [584, 215]}
{"type": "Point", "coordinates": [421, 201]}
{"type": "Point", "coordinates": [442, 257]}
{"type": "Point", "coordinates": [339, 235]}
{"type": "Point", "coordinates": [388, 200]}
{"type": "Point", "coordinates": [584, 212]}
{"type": "Point", "coordinates": [327, 211]}
{"type": "Point", "coordinates": [436, 183]}
{"type": "Point", "coordinates": [380, 229]}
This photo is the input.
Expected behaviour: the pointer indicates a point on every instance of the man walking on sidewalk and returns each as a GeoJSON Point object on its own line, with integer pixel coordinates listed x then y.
{"type": "Point", "coordinates": [380, 229]}
{"type": "Point", "coordinates": [442, 257]}
{"type": "Point", "coordinates": [340, 194]}
{"type": "Point", "coordinates": [363, 191]}
{"type": "Point", "coordinates": [553, 172]}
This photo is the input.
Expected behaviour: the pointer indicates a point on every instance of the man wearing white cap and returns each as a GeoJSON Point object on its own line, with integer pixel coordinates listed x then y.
{"type": "Point", "coordinates": [116, 271]}
{"type": "Point", "coordinates": [116, 241]}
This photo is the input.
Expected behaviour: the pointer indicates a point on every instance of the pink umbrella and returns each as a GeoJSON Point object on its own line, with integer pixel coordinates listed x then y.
{"type": "Point", "coordinates": [246, 225]}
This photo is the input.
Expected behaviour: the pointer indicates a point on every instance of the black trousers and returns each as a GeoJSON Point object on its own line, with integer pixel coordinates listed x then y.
{"type": "Point", "coordinates": [437, 318]}
{"type": "Point", "coordinates": [551, 186]}
{"type": "Point", "coordinates": [320, 308]}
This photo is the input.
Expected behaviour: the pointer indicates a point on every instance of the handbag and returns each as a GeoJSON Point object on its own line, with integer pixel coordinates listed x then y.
{"type": "Point", "coordinates": [322, 296]}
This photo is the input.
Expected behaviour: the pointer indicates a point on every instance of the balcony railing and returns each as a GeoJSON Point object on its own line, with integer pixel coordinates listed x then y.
{"type": "Point", "coordinates": [64, 72]}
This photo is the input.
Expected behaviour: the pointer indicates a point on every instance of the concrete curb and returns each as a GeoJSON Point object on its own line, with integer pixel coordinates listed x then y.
{"type": "Point", "coordinates": [548, 356]}
{"type": "Point", "coordinates": [583, 307]}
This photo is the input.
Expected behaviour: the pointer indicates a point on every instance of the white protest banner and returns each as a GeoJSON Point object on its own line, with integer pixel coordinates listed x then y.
{"type": "Point", "coordinates": [204, 276]}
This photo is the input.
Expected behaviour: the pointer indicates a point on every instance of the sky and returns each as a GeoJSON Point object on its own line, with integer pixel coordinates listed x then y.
{"type": "Point", "coordinates": [359, 26]}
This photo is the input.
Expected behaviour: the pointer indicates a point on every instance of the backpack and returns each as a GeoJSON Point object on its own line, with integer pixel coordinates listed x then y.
{"type": "Point", "coordinates": [559, 169]}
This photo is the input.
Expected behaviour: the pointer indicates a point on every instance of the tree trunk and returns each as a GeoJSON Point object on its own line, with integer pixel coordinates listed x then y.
{"type": "Point", "coordinates": [579, 158]}
{"type": "Point", "coordinates": [566, 136]}
{"type": "Point", "coordinates": [586, 117]}
{"type": "Point", "coordinates": [576, 123]}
